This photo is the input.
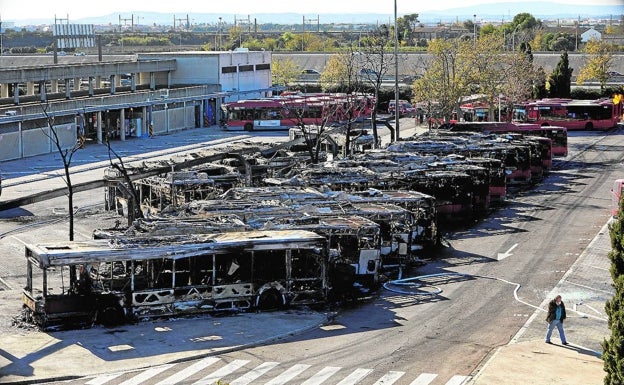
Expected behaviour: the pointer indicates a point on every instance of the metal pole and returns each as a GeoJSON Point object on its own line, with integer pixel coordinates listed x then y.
{"type": "Point", "coordinates": [396, 75]}
{"type": "Point", "coordinates": [474, 26]}
{"type": "Point", "coordinates": [219, 33]}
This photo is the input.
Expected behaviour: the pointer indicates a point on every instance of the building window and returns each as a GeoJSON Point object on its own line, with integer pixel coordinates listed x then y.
{"type": "Point", "coordinates": [228, 70]}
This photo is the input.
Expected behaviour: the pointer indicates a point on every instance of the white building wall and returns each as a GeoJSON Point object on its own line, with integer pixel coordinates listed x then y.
{"type": "Point", "coordinates": [590, 34]}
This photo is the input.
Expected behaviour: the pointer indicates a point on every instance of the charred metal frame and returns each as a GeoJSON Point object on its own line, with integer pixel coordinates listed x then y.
{"type": "Point", "coordinates": [133, 278]}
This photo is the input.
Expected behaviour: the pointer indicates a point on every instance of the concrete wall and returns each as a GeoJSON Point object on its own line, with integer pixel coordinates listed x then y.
{"type": "Point", "coordinates": [36, 141]}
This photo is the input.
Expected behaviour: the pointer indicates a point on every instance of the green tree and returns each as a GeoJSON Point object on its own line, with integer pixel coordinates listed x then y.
{"type": "Point", "coordinates": [613, 348]}
{"type": "Point", "coordinates": [447, 77]}
{"type": "Point", "coordinates": [561, 78]}
{"type": "Point", "coordinates": [598, 64]}
{"type": "Point", "coordinates": [406, 25]}
{"type": "Point", "coordinates": [284, 71]}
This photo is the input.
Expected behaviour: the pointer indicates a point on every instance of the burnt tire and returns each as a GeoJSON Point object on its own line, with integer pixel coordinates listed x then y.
{"type": "Point", "coordinates": [270, 299]}
{"type": "Point", "coordinates": [589, 126]}
{"type": "Point", "coordinates": [248, 127]}
{"type": "Point", "coordinates": [110, 316]}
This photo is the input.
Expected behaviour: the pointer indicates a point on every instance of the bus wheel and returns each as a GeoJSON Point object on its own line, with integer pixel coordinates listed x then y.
{"type": "Point", "coordinates": [248, 127]}
{"type": "Point", "coordinates": [589, 126]}
{"type": "Point", "coordinates": [110, 316]}
{"type": "Point", "coordinates": [270, 299]}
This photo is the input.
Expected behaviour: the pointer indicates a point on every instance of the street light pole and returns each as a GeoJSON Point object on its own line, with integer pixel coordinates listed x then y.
{"type": "Point", "coordinates": [396, 75]}
{"type": "Point", "coordinates": [220, 33]}
{"type": "Point", "coordinates": [474, 27]}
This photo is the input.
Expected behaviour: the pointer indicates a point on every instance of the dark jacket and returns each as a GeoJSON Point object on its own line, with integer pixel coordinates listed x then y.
{"type": "Point", "coordinates": [552, 308]}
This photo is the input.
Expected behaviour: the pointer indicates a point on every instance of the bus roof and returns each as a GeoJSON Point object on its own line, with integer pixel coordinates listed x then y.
{"type": "Point", "coordinates": [173, 247]}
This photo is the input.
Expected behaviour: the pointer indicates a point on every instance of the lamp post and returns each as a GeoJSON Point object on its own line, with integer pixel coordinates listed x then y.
{"type": "Point", "coordinates": [396, 75]}
{"type": "Point", "coordinates": [220, 18]}
{"type": "Point", "coordinates": [474, 27]}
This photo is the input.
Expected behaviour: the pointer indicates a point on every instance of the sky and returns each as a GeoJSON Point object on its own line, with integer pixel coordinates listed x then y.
{"type": "Point", "coordinates": [13, 10]}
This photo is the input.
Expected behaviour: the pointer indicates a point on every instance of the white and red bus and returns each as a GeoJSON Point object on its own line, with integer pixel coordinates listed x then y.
{"type": "Point", "coordinates": [600, 114]}
{"type": "Point", "coordinates": [283, 112]}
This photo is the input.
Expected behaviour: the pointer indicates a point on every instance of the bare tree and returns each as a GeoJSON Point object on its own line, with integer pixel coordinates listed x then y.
{"type": "Point", "coordinates": [376, 64]}
{"type": "Point", "coordinates": [341, 74]}
{"type": "Point", "coordinates": [66, 153]}
{"type": "Point", "coordinates": [128, 189]}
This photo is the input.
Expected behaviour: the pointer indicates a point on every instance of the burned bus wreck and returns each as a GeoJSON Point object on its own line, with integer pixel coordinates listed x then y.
{"type": "Point", "coordinates": [120, 280]}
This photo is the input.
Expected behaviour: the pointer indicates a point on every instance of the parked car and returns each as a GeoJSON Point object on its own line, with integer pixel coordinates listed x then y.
{"type": "Point", "coordinates": [368, 74]}
{"type": "Point", "coordinates": [310, 71]}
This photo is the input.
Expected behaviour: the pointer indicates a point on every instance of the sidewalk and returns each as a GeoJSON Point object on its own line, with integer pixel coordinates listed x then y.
{"type": "Point", "coordinates": [34, 357]}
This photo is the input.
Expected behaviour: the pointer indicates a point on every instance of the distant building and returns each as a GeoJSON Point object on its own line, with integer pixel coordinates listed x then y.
{"type": "Point", "coordinates": [590, 34]}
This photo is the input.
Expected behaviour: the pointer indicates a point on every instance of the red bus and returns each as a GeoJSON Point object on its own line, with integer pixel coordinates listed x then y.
{"type": "Point", "coordinates": [558, 135]}
{"type": "Point", "coordinates": [600, 114]}
{"type": "Point", "coordinates": [283, 112]}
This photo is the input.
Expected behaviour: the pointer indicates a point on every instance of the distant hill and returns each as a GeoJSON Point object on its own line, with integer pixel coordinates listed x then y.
{"type": "Point", "coordinates": [484, 12]}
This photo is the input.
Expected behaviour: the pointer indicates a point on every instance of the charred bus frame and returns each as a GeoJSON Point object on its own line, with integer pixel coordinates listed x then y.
{"type": "Point", "coordinates": [130, 279]}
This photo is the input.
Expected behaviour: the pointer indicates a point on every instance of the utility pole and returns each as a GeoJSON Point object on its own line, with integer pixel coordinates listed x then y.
{"type": "Point", "coordinates": [397, 106]}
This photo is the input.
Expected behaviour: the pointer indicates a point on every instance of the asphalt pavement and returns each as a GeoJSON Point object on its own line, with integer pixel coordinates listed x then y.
{"type": "Point", "coordinates": [28, 356]}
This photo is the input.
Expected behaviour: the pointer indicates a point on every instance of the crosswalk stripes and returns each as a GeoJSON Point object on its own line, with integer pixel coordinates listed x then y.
{"type": "Point", "coordinates": [188, 371]}
{"type": "Point", "coordinates": [288, 375]}
{"type": "Point", "coordinates": [424, 379]}
{"type": "Point", "coordinates": [258, 371]}
{"type": "Point", "coordinates": [356, 376]}
{"type": "Point", "coordinates": [146, 375]}
{"type": "Point", "coordinates": [100, 380]}
{"type": "Point", "coordinates": [322, 376]}
{"type": "Point", "coordinates": [177, 376]}
{"type": "Point", "coordinates": [220, 373]}
{"type": "Point", "coordinates": [458, 380]}
{"type": "Point", "coordinates": [390, 378]}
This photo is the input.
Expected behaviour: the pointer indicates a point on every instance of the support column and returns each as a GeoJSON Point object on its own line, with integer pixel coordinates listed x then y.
{"type": "Point", "coordinates": [4, 90]}
{"type": "Point", "coordinates": [16, 95]}
{"type": "Point", "coordinates": [144, 120]}
{"type": "Point", "coordinates": [112, 84]}
{"type": "Point", "coordinates": [98, 82]}
{"type": "Point", "coordinates": [77, 82]}
{"type": "Point", "coordinates": [99, 127]}
{"type": "Point", "coordinates": [201, 113]}
{"type": "Point", "coordinates": [133, 82]}
{"type": "Point", "coordinates": [42, 90]}
{"type": "Point", "coordinates": [30, 88]}
{"type": "Point", "coordinates": [54, 86]}
{"type": "Point", "coordinates": [122, 124]}
{"type": "Point", "coordinates": [152, 81]}
{"type": "Point", "coordinates": [91, 93]}
{"type": "Point", "coordinates": [67, 88]}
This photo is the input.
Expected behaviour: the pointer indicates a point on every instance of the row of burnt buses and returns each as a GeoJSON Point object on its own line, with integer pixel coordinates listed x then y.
{"type": "Point", "coordinates": [258, 228]}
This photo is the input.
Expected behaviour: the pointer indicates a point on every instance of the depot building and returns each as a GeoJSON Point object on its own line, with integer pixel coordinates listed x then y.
{"type": "Point", "coordinates": [95, 99]}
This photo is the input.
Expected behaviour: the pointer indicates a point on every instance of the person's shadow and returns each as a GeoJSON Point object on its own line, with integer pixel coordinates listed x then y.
{"type": "Point", "coordinates": [582, 350]}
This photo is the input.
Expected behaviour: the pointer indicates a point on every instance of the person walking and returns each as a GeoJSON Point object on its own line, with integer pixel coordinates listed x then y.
{"type": "Point", "coordinates": [555, 317]}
